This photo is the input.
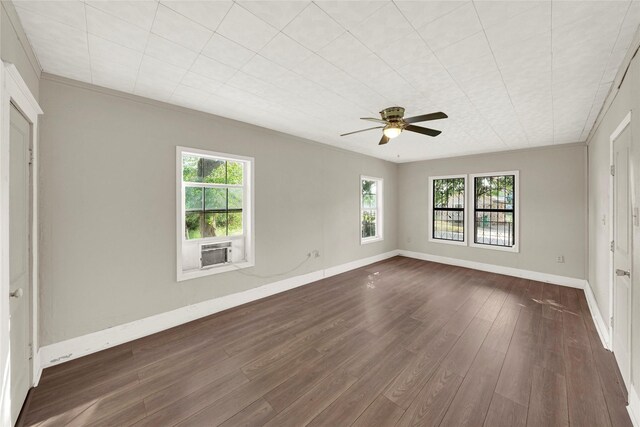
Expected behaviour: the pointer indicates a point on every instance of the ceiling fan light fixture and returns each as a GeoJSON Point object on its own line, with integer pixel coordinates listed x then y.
{"type": "Point", "coordinates": [392, 131]}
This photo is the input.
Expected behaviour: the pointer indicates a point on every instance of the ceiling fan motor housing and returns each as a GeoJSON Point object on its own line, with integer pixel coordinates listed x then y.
{"type": "Point", "coordinates": [392, 114]}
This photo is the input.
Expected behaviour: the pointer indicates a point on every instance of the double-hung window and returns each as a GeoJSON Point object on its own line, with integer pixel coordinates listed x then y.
{"type": "Point", "coordinates": [447, 204]}
{"type": "Point", "coordinates": [215, 206]}
{"type": "Point", "coordinates": [371, 212]}
{"type": "Point", "coordinates": [495, 210]}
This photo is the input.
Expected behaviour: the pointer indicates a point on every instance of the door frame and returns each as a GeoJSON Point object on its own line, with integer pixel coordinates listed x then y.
{"type": "Point", "coordinates": [626, 122]}
{"type": "Point", "coordinates": [14, 90]}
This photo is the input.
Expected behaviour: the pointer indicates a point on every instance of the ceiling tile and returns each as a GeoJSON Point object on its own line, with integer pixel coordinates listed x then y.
{"type": "Point", "coordinates": [209, 14]}
{"type": "Point", "coordinates": [350, 13]}
{"type": "Point", "coordinates": [497, 12]}
{"type": "Point", "coordinates": [68, 12]}
{"type": "Point", "coordinates": [535, 22]}
{"type": "Point", "coordinates": [188, 96]}
{"type": "Point", "coordinates": [200, 82]}
{"type": "Point", "coordinates": [113, 58]}
{"type": "Point", "coordinates": [313, 28]}
{"type": "Point", "coordinates": [175, 27]}
{"type": "Point", "coordinates": [458, 54]}
{"type": "Point", "coordinates": [374, 31]}
{"type": "Point", "coordinates": [276, 13]}
{"type": "Point", "coordinates": [420, 13]}
{"type": "Point", "coordinates": [170, 52]}
{"type": "Point", "coordinates": [212, 69]}
{"type": "Point", "coordinates": [109, 27]}
{"type": "Point", "coordinates": [244, 28]}
{"type": "Point", "coordinates": [151, 68]}
{"type": "Point", "coordinates": [138, 13]}
{"type": "Point", "coordinates": [451, 28]}
{"type": "Point", "coordinates": [285, 51]}
{"type": "Point", "coordinates": [226, 51]}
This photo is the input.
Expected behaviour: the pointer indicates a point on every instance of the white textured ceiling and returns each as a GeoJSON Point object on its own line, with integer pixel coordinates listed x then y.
{"type": "Point", "coordinates": [510, 74]}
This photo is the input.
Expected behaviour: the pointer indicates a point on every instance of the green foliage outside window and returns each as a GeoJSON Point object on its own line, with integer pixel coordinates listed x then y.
{"type": "Point", "coordinates": [212, 211]}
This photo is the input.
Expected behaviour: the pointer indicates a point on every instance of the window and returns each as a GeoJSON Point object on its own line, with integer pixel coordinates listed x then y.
{"type": "Point", "coordinates": [495, 198]}
{"type": "Point", "coordinates": [370, 209]}
{"type": "Point", "coordinates": [448, 209]}
{"type": "Point", "coordinates": [215, 204]}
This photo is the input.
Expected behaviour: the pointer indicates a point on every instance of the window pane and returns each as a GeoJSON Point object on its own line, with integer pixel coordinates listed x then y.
{"type": "Point", "coordinates": [235, 223]}
{"type": "Point", "coordinates": [369, 201]}
{"type": "Point", "coordinates": [215, 224]}
{"type": "Point", "coordinates": [190, 168]}
{"type": "Point", "coordinates": [448, 225]}
{"type": "Point", "coordinates": [193, 198]}
{"type": "Point", "coordinates": [235, 198]}
{"type": "Point", "coordinates": [214, 171]}
{"type": "Point", "coordinates": [368, 224]}
{"type": "Point", "coordinates": [193, 223]}
{"type": "Point", "coordinates": [494, 228]}
{"type": "Point", "coordinates": [448, 193]}
{"type": "Point", "coordinates": [234, 173]}
{"type": "Point", "coordinates": [215, 198]}
{"type": "Point", "coordinates": [368, 187]}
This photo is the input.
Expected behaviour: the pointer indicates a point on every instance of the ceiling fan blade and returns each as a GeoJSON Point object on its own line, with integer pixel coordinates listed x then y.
{"type": "Point", "coordinates": [424, 131]}
{"type": "Point", "coordinates": [384, 140]}
{"type": "Point", "coordinates": [371, 119]}
{"type": "Point", "coordinates": [362, 130]}
{"type": "Point", "coordinates": [426, 117]}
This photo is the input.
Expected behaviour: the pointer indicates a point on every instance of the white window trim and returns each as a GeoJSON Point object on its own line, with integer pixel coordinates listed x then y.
{"type": "Point", "coordinates": [516, 213]}
{"type": "Point", "coordinates": [466, 209]}
{"type": "Point", "coordinates": [248, 216]}
{"type": "Point", "coordinates": [379, 210]}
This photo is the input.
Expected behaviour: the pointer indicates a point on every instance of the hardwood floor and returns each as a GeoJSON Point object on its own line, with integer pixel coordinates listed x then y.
{"type": "Point", "coordinates": [401, 342]}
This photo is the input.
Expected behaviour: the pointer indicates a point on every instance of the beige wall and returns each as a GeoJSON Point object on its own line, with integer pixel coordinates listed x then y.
{"type": "Point", "coordinates": [15, 47]}
{"type": "Point", "coordinates": [618, 105]}
{"type": "Point", "coordinates": [107, 198]}
{"type": "Point", "coordinates": [552, 208]}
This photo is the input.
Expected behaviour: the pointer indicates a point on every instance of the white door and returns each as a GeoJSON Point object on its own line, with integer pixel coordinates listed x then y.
{"type": "Point", "coordinates": [622, 254]}
{"type": "Point", "coordinates": [20, 260]}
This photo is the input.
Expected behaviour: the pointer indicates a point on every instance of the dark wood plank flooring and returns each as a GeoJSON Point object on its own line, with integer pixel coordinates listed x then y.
{"type": "Point", "coordinates": [401, 342]}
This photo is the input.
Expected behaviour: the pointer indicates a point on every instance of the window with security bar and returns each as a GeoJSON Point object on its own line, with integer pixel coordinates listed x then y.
{"type": "Point", "coordinates": [448, 204]}
{"type": "Point", "coordinates": [494, 211]}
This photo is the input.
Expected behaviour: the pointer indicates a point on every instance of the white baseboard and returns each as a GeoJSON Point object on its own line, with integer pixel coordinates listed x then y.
{"type": "Point", "coordinates": [598, 320]}
{"type": "Point", "coordinates": [634, 406]}
{"type": "Point", "coordinates": [498, 269]}
{"type": "Point", "coordinates": [74, 348]}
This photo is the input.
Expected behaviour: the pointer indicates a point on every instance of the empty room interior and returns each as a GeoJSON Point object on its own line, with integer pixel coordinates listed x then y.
{"type": "Point", "coordinates": [322, 213]}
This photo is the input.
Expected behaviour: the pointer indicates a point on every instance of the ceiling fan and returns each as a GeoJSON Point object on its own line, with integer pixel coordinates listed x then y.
{"type": "Point", "coordinates": [394, 123]}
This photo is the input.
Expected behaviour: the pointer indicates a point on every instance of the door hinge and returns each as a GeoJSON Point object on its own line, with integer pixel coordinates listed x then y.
{"type": "Point", "coordinates": [611, 246]}
{"type": "Point", "coordinates": [611, 321]}
{"type": "Point", "coordinates": [30, 351]}
{"type": "Point", "coordinates": [30, 156]}
{"type": "Point", "coordinates": [613, 170]}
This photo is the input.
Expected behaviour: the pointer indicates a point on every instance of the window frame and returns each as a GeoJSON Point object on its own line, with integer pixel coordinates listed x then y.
{"type": "Point", "coordinates": [248, 217]}
{"type": "Point", "coordinates": [465, 211]}
{"type": "Point", "coordinates": [379, 209]}
{"type": "Point", "coordinates": [516, 211]}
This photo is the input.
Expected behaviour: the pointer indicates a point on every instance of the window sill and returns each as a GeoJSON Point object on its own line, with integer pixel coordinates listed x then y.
{"type": "Point", "coordinates": [193, 274]}
{"type": "Point", "coordinates": [371, 240]}
{"type": "Point", "coordinates": [448, 242]}
{"type": "Point", "coordinates": [514, 249]}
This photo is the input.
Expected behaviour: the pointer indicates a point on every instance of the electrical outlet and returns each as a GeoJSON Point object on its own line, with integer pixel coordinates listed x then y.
{"type": "Point", "coordinates": [316, 253]}
{"type": "Point", "coordinates": [560, 259]}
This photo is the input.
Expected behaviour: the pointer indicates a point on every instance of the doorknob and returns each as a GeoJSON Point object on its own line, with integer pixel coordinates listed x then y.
{"type": "Point", "coordinates": [622, 272]}
{"type": "Point", "coordinates": [16, 294]}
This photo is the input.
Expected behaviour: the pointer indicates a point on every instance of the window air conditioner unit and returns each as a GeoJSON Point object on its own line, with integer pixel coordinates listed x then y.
{"type": "Point", "coordinates": [212, 254]}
